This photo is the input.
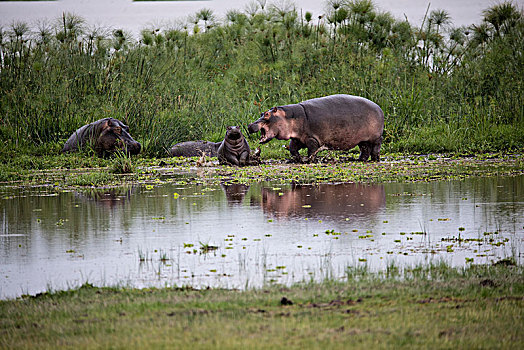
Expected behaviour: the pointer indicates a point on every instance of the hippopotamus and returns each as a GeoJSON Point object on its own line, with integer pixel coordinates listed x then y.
{"type": "Point", "coordinates": [234, 150]}
{"type": "Point", "coordinates": [338, 122]}
{"type": "Point", "coordinates": [195, 149]}
{"type": "Point", "coordinates": [105, 136]}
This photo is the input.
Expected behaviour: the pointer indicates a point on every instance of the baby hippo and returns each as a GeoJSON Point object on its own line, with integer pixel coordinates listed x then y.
{"type": "Point", "coordinates": [234, 150]}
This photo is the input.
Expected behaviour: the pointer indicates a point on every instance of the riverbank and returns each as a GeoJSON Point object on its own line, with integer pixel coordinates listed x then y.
{"type": "Point", "coordinates": [425, 306]}
{"type": "Point", "coordinates": [77, 170]}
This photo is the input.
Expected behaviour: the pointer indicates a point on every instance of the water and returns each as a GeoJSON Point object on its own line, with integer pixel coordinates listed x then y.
{"type": "Point", "coordinates": [134, 16]}
{"type": "Point", "coordinates": [147, 235]}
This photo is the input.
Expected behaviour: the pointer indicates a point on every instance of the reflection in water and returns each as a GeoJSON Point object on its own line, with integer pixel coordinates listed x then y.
{"type": "Point", "coordinates": [325, 200]}
{"type": "Point", "coordinates": [107, 197]}
{"type": "Point", "coordinates": [235, 193]}
{"type": "Point", "coordinates": [147, 236]}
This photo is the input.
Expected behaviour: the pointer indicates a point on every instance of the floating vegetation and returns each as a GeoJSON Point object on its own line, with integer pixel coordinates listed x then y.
{"type": "Point", "coordinates": [207, 248]}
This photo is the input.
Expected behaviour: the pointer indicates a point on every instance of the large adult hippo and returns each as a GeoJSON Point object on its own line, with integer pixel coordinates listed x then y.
{"type": "Point", "coordinates": [338, 122]}
{"type": "Point", "coordinates": [105, 136]}
{"type": "Point", "coordinates": [195, 149]}
{"type": "Point", "coordinates": [234, 150]}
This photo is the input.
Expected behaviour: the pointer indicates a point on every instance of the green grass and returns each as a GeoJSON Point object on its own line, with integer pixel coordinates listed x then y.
{"type": "Point", "coordinates": [423, 307]}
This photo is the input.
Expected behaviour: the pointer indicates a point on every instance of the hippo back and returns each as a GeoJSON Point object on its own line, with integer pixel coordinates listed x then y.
{"type": "Point", "coordinates": [82, 136]}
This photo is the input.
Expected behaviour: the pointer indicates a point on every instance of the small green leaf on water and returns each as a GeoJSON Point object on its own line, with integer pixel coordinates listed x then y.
{"type": "Point", "coordinates": [306, 206]}
{"type": "Point", "coordinates": [176, 195]}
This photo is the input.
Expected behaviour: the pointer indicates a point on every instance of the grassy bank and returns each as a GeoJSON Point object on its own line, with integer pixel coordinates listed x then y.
{"type": "Point", "coordinates": [431, 306]}
{"type": "Point", "coordinates": [442, 88]}
{"type": "Point", "coordinates": [69, 171]}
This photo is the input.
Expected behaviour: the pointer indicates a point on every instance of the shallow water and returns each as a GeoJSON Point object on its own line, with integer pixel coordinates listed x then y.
{"type": "Point", "coordinates": [155, 235]}
{"type": "Point", "coordinates": [136, 15]}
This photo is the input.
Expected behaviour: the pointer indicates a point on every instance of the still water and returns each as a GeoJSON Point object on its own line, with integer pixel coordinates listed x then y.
{"type": "Point", "coordinates": [238, 236]}
{"type": "Point", "coordinates": [136, 15]}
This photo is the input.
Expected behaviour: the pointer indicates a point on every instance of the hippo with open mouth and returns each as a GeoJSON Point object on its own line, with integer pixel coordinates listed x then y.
{"type": "Point", "coordinates": [105, 136]}
{"type": "Point", "coordinates": [338, 122]}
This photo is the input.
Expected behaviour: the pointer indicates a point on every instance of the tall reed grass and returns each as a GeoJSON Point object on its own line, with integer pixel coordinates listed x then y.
{"type": "Point", "coordinates": [442, 88]}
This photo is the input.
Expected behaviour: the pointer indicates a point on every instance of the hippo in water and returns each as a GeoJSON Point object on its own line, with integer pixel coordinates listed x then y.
{"type": "Point", "coordinates": [105, 136]}
{"type": "Point", "coordinates": [195, 149]}
{"type": "Point", "coordinates": [338, 122]}
{"type": "Point", "coordinates": [234, 150]}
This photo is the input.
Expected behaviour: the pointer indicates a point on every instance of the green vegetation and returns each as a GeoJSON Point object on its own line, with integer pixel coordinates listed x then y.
{"type": "Point", "coordinates": [433, 306]}
{"type": "Point", "coordinates": [67, 171]}
{"type": "Point", "coordinates": [443, 89]}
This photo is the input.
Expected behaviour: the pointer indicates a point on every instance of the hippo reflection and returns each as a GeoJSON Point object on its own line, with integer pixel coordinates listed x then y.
{"type": "Point", "coordinates": [235, 193]}
{"type": "Point", "coordinates": [326, 200]}
{"type": "Point", "coordinates": [108, 197]}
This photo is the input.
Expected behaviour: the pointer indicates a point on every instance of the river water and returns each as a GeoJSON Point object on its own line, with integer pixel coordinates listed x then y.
{"type": "Point", "coordinates": [136, 15]}
{"type": "Point", "coordinates": [238, 236]}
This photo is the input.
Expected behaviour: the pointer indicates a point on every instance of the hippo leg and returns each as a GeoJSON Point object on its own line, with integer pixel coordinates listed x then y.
{"type": "Point", "coordinates": [294, 146]}
{"type": "Point", "coordinates": [375, 150]}
{"type": "Point", "coordinates": [312, 148]}
{"type": "Point", "coordinates": [243, 159]}
{"type": "Point", "coordinates": [231, 159]}
{"type": "Point", "coordinates": [365, 150]}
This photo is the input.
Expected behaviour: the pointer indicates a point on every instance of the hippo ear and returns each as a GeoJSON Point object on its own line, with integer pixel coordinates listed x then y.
{"type": "Point", "coordinates": [228, 128]}
{"type": "Point", "coordinates": [110, 122]}
{"type": "Point", "coordinates": [274, 110]}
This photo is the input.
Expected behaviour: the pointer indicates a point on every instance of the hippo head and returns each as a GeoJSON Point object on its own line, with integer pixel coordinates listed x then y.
{"type": "Point", "coordinates": [233, 133]}
{"type": "Point", "coordinates": [114, 136]}
{"type": "Point", "coordinates": [272, 123]}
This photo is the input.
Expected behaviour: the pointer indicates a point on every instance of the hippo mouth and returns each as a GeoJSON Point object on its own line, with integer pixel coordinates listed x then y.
{"type": "Point", "coordinates": [265, 134]}
{"type": "Point", "coordinates": [264, 137]}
